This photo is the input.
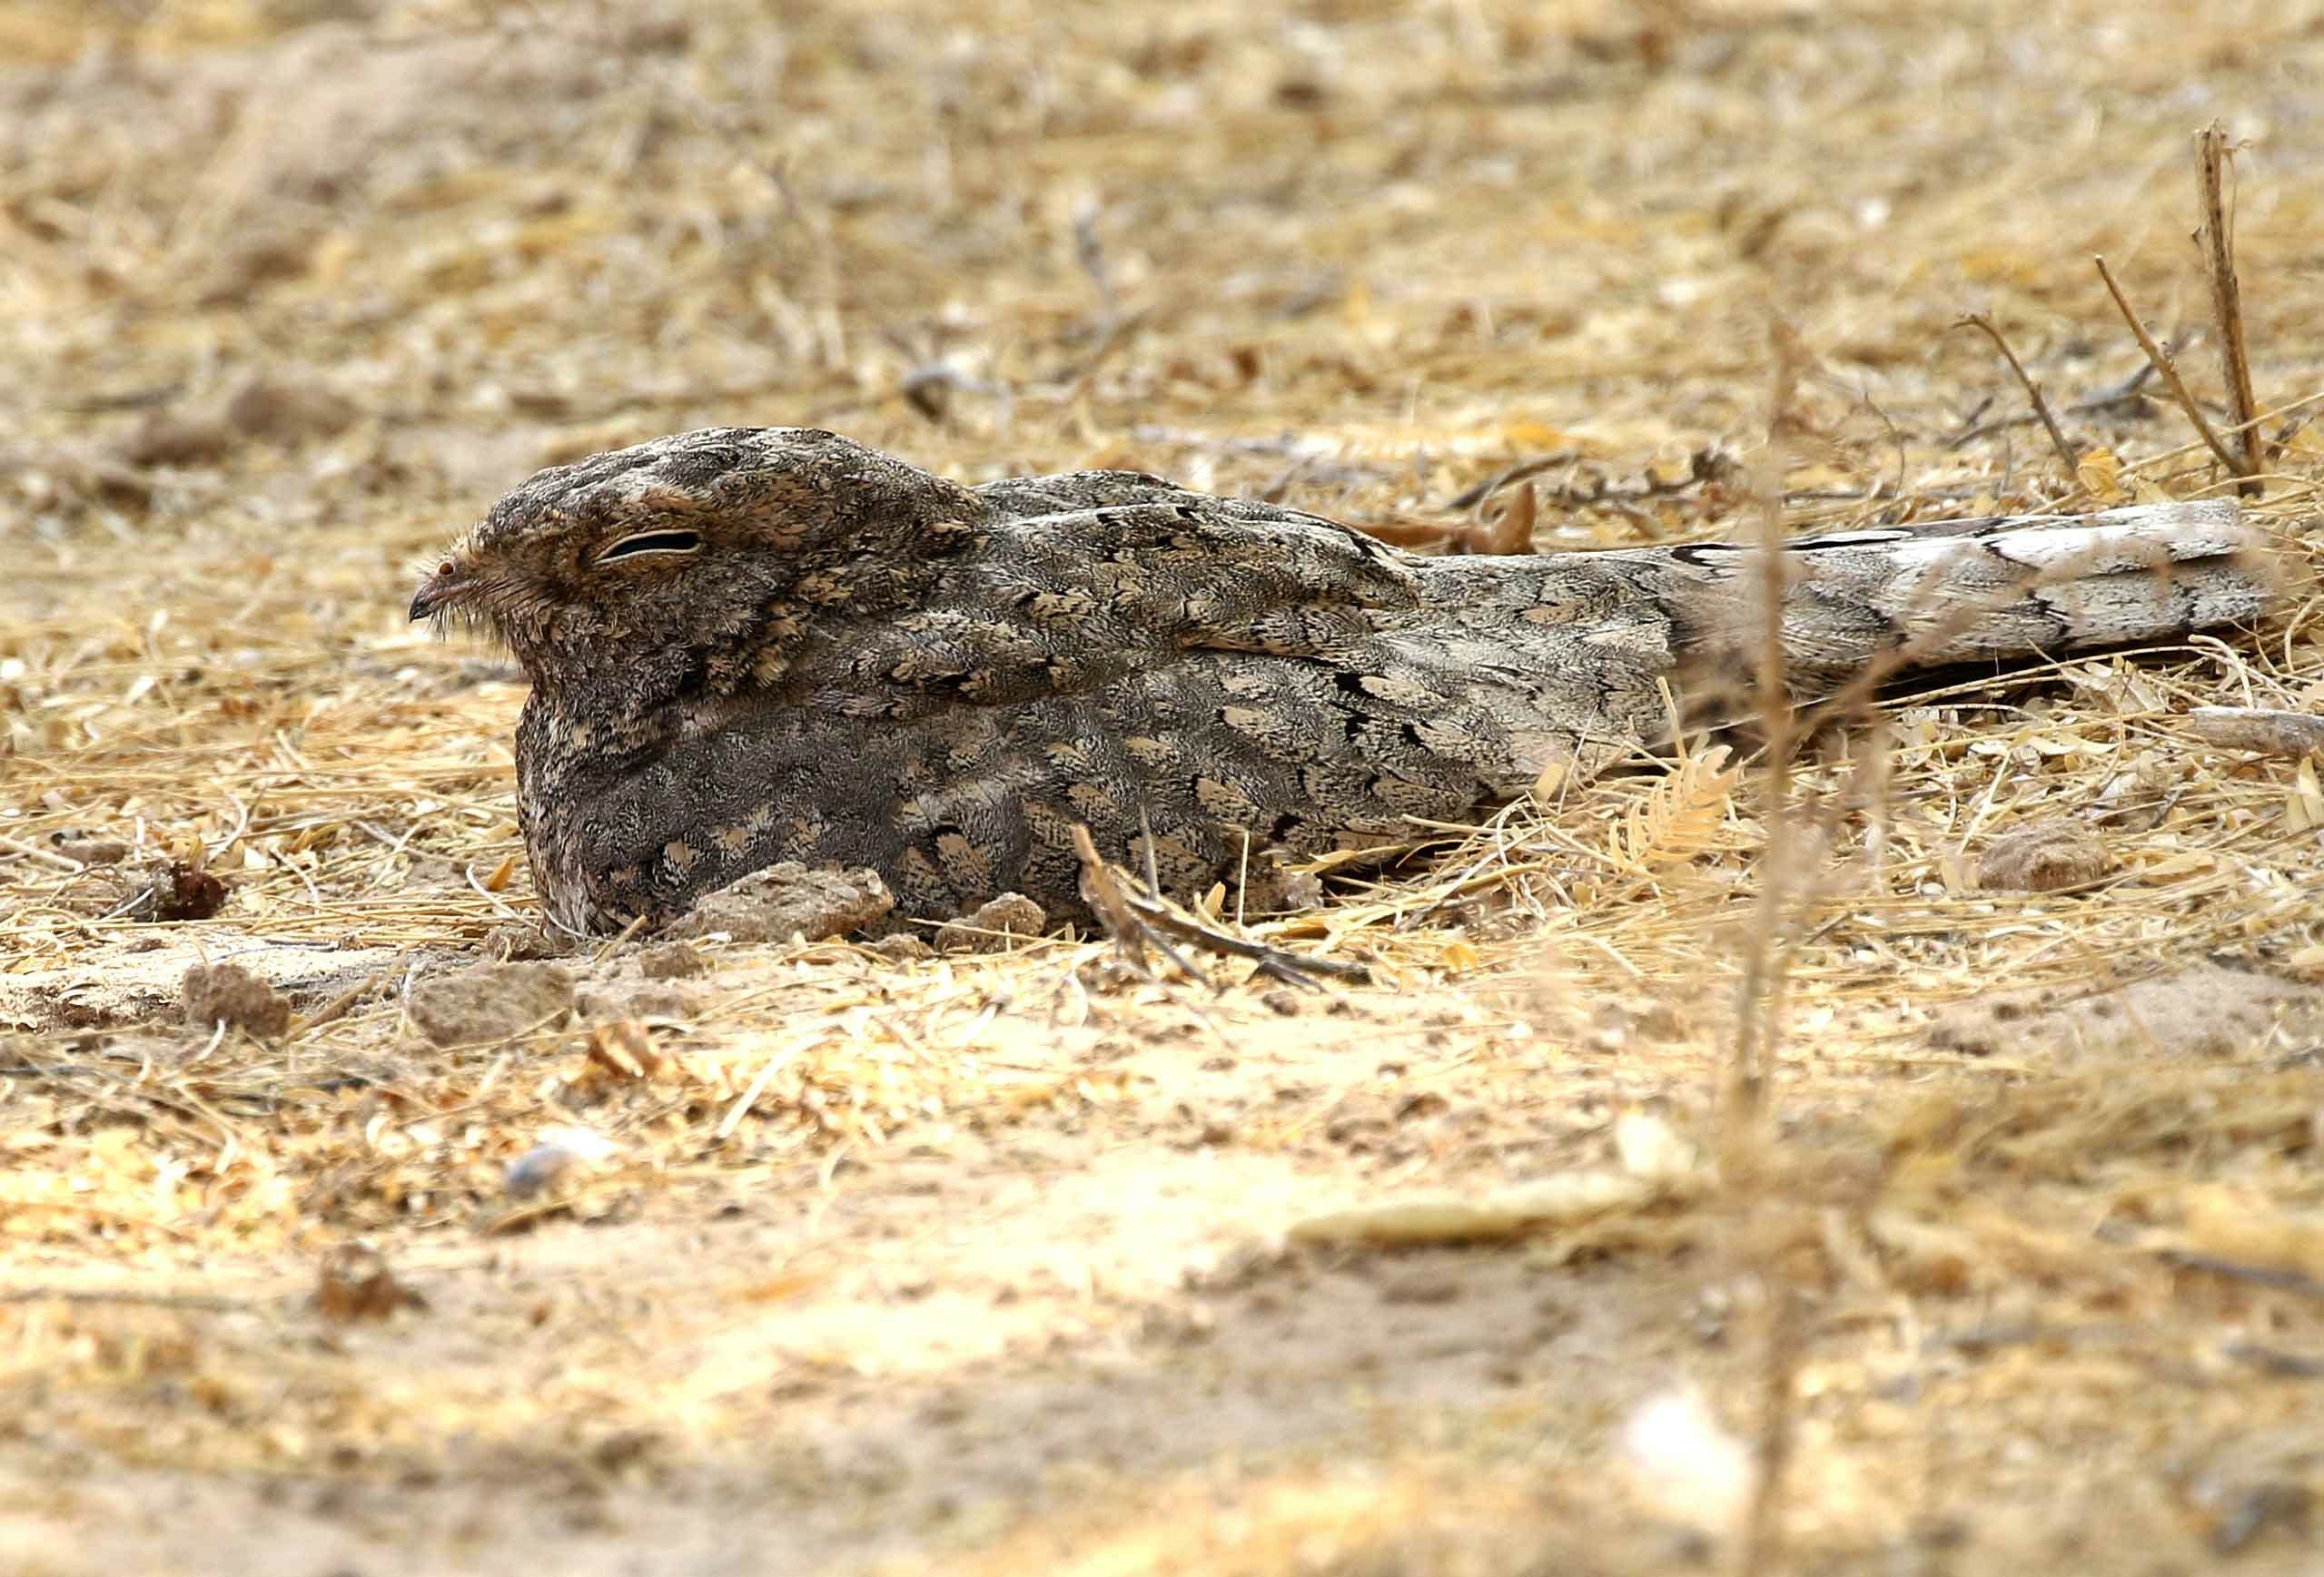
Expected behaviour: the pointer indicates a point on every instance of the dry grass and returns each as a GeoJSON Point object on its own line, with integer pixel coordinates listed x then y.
{"type": "Point", "coordinates": [2048, 1235]}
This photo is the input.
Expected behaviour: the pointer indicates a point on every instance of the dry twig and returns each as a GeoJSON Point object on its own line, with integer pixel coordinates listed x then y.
{"type": "Point", "coordinates": [2263, 729]}
{"type": "Point", "coordinates": [2066, 456]}
{"type": "Point", "coordinates": [1136, 918]}
{"type": "Point", "coordinates": [2227, 302]}
{"type": "Point", "coordinates": [2162, 361]}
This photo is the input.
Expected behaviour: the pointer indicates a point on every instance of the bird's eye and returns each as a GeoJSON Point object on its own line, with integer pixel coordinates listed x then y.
{"type": "Point", "coordinates": [652, 542]}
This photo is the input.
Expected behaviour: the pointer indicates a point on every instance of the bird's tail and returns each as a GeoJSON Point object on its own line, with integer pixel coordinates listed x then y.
{"type": "Point", "coordinates": [1967, 591]}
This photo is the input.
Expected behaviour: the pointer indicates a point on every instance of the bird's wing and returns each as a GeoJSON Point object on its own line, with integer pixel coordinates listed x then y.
{"type": "Point", "coordinates": [2001, 587]}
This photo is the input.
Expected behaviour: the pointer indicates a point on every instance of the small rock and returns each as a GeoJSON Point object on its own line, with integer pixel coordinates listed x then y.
{"type": "Point", "coordinates": [671, 961]}
{"type": "Point", "coordinates": [902, 949]}
{"type": "Point", "coordinates": [490, 1002]}
{"type": "Point", "coordinates": [559, 1153]}
{"type": "Point", "coordinates": [230, 995]}
{"type": "Point", "coordinates": [785, 900]}
{"type": "Point", "coordinates": [2042, 858]}
{"type": "Point", "coordinates": [994, 926]}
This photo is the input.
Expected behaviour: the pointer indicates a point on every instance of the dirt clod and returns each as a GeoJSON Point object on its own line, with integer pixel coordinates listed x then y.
{"type": "Point", "coordinates": [636, 999]}
{"type": "Point", "coordinates": [177, 438]}
{"type": "Point", "coordinates": [671, 961]}
{"type": "Point", "coordinates": [785, 900]}
{"type": "Point", "coordinates": [230, 995]}
{"type": "Point", "coordinates": [491, 1003]}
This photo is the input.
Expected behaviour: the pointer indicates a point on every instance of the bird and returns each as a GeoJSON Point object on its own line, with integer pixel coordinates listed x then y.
{"type": "Point", "coordinates": [751, 645]}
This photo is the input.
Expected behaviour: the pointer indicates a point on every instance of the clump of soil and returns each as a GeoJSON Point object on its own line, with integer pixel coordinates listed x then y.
{"type": "Point", "coordinates": [491, 1003]}
{"type": "Point", "coordinates": [230, 995]}
{"type": "Point", "coordinates": [787, 901]}
{"type": "Point", "coordinates": [671, 961]}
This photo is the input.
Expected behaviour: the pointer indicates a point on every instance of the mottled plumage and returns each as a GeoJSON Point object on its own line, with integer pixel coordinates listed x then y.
{"type": "Point", "coordinates": [755, 644]}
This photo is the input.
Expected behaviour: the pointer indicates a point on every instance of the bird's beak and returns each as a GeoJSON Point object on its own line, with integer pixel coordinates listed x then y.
{"type": "Point", "coordinates": [449, 586]}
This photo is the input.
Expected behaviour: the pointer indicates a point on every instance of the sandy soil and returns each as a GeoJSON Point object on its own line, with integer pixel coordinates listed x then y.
{"type": "Point", "coordinates": [404, 1250]}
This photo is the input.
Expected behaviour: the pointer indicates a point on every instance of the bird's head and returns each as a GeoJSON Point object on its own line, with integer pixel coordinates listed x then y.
{"type": "Point", "coordinates": [702, 553]}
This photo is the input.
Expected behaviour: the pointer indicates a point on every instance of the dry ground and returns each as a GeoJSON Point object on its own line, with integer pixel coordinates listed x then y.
{"type": "Point", "coordinates": [979, 1262]}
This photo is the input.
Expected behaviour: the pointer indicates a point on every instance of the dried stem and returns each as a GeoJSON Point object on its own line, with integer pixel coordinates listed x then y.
{"type": "Point", "coordinates": [2066, 456]}
{"type": "Point", "coordinates": [1755, 1007]}
{"type": "Point", "coordinates": [2227, 302]}
{"type": "Point", "coordinates": [1784, 1340]}
{"type": "Point", "coordinates": [1138, 920]}
{"type": "Point", "coordinates": [2164, 364]}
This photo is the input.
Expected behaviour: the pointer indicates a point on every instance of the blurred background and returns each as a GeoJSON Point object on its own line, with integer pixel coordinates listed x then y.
{"type": "Point", "coordinates": [1358, 254]}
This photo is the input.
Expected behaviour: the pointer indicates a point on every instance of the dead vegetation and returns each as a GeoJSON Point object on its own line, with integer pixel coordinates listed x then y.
{"type": "Point", "coordinates": [347, 1217]}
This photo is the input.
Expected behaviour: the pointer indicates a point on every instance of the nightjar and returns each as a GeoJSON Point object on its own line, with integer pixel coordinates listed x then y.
{"type": "Point", "coordinates": [752, 645]}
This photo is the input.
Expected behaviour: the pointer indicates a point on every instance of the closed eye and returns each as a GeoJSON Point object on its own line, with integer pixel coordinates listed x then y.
{"type": "Point", "coordinates": [652, 542]}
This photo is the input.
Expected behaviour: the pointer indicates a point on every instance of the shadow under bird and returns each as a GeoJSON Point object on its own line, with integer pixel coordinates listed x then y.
{"type": "Point", "coordinates": [755, 644]}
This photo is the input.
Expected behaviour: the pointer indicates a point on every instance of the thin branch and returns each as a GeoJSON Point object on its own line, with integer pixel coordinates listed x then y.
{"type": "Point", "coordinates": [2227, 302]}
{"type": "Point", "coordinates": [2163, 363]}
{"type": "Point", "coordinates": [2066, 456]}
{"type": "Point", "coordinates": [2123, 391]}
{"type": "Point", "coordinates": [1136, 919]}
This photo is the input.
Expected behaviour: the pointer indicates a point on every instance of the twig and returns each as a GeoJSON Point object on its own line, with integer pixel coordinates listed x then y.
{"type": "Point", "coordinates": [2160, 359]}
{"type": "Point", "coordinates": [188, 1301]}
{"type": "Point", "coordinates": [1512, 531]}
{"type": "Point", "coordinates": [2227, 302]}
{"type": "Point", "coordinates": [2273, 1275]}
{"type": "Point", "coordinates": [2270, 732]}
{"type": "Point", "coordinates": [1470, 498]}
{"type": "Point", "coordinates": [1785, 1340]}
{"type": "Point", "coordinates": [1509, 532]}
{"type": "Point", "coordinates": [1090, 252]}
{"type": "Point", "coordinates": [1134, 919]}
{"type": "Point", "coordinates": [1759, 1001]}
{"type": "Point", "coordinates": [45, 856]}
{"type": "Point", "coordinates": [2123, 391]}
{"type": "Point", "coordinates": [1112, 905]}
{"type": "Point", "coordinates": [2033, 391]}
{"type": "Point", "coordinates": [1756, 1007]}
